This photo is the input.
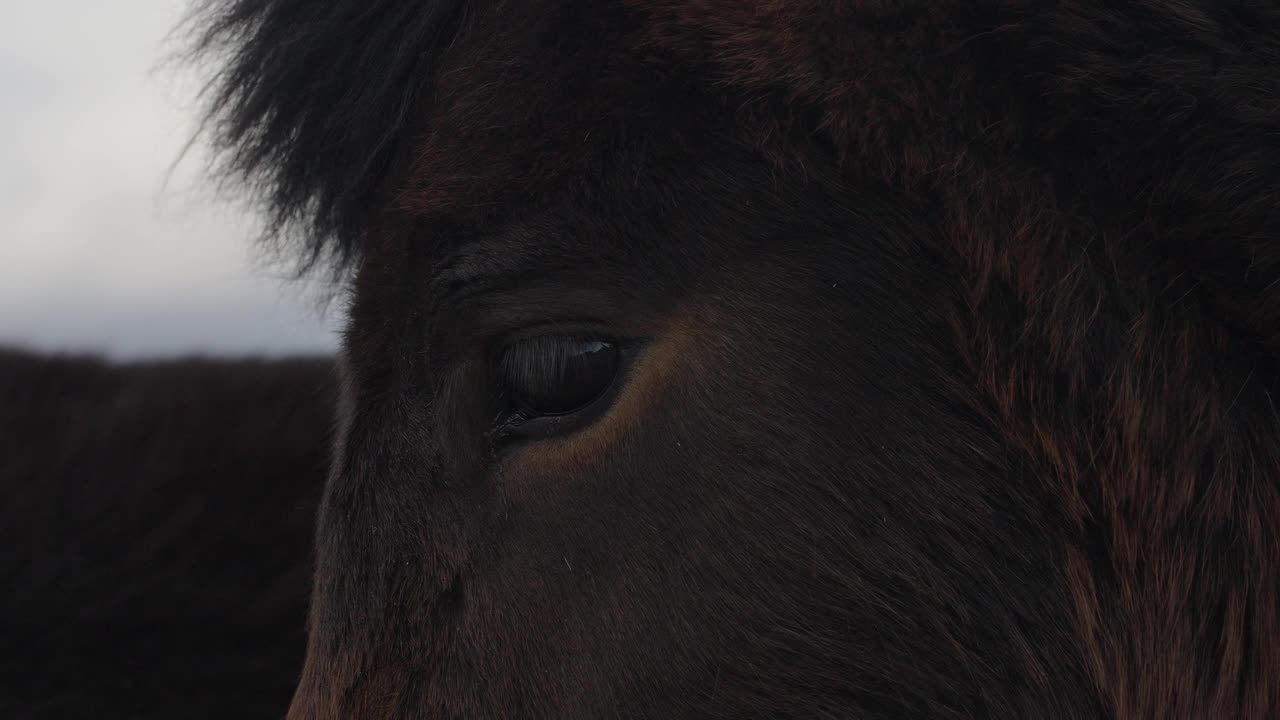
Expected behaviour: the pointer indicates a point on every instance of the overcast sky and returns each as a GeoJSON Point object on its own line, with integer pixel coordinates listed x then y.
{"type": "Point", "coordinates": [97, 251]}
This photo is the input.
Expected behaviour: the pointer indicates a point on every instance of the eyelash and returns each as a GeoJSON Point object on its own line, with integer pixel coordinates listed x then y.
{"type": "Point", "coordinates": [513, 422]}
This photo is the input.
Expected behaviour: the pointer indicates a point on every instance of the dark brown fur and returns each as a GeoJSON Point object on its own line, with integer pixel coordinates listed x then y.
{"type": "Point", "coordinates": [1107, 173]}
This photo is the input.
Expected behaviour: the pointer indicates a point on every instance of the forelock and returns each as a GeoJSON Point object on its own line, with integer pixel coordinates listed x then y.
{"type": "Point", "coordinates": [309, 104]}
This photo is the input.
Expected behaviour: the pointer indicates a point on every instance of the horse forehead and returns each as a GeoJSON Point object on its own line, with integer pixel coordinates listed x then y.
{"type": "Point", "coordinates": [513, 110]}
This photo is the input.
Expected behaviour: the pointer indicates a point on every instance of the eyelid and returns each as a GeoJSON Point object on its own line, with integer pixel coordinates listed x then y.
{"type": "Point", "coordinates": [575, 366]}
{"type": "Point", "coordinates": [574, 328]}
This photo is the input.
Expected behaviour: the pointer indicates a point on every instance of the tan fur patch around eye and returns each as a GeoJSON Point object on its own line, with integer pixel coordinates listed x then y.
{"type": "Point", "coordinates": [652, 374]}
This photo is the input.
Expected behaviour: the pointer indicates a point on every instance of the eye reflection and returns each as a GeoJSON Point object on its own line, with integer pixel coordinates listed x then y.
{"type": "Point", "coordinates": [554, 375]}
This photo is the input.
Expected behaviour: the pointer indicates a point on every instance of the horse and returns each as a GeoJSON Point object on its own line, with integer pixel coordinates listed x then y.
{"type": "Point", "coordinates": [157, 520]}
{"type": "Point", "coordinates": [782, 359]}
{"type": "Point", "coordinates": [730, 359]}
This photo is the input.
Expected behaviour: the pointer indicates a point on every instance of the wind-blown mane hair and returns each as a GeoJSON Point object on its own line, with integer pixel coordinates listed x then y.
{"type": "Point", "coordinates": [311, 104]}
{"type": "Point", "coordinates": [1169, 106]}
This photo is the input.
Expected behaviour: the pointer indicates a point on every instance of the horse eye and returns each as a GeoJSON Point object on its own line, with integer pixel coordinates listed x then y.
{"type": "Point", "coordinates": [550, 376]}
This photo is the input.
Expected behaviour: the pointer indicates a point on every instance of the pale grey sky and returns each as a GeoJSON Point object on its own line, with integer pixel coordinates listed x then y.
{"type": "Point", "coordinates": [96, 251]}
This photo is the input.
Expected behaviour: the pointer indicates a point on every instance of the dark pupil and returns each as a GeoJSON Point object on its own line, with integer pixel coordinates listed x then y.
{"type": "Point", "coordinates": [554, 375]}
